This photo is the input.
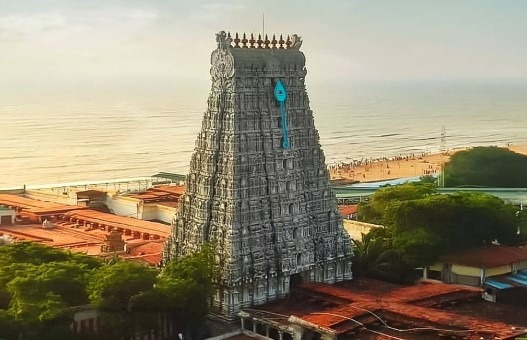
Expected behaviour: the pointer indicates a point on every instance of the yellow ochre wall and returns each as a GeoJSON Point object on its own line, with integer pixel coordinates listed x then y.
{"type": "Point", "coordinates": [498, 270]}
{"type": "Point", "coordinates": [465, 270]}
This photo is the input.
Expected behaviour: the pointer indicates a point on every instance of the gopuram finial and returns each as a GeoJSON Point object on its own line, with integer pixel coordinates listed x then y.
{"type": "Point", "coordinates": [296, 41]}
{"type": "Point", "coordinates": [237, 40]}
{"type": "Point", "coordinates": [288, 42]}
{"type": "Point", "coordinates": [223, 40]}
{"type": "Point", "coordinates": [244, 41]}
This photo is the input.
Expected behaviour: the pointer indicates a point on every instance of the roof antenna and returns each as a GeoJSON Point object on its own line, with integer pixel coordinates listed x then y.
{"type": "Point", "coordinates": [263, 24]}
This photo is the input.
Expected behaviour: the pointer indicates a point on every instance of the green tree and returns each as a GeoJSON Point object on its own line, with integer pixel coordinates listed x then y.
{"type": "Point", "coordinates": [487, 166]}
{"type": "Point", "coordinates": [37, 286]}
{"type": "Point", "coordinates": [113, 289]}
{"type": "Point", "coordinates": [458, 221]}
{"type": "Point", "coordinates": [420, 226]}
{"type": "Point", "coordinates": [428, 179]}
{"type": "Point", "coordinates": [417, 248]}
{"type": "Point", "coordinates": [373, 210]}
{"type": "Point", "coordinates": [9, 328]}
{"type": "Point", "coordinates": [187, 286]}
{"type": "Point", "coordinates": [375, 257]}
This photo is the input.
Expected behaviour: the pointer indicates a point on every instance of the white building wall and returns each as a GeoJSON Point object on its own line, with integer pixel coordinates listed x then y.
{"type": "Point", "coordinates": [154, 211]}
{"type": "Point", "coordinates": [124, 206]}
{"type": "Point", "coordinates": [8, 212]}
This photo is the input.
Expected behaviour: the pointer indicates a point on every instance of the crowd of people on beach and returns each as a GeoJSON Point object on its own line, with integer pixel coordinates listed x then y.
{"type": "Point", "coordinates": [360, 168]}
{"type": "Point", "coordinates": [367, 161]}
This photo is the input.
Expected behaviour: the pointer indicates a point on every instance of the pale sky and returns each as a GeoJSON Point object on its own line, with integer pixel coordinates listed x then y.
{"type": "Point", "coordinates": [87, 43]}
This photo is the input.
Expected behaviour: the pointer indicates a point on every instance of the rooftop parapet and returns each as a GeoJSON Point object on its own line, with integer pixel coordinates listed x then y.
{"type": "Point", "coordinates": [251, 41]}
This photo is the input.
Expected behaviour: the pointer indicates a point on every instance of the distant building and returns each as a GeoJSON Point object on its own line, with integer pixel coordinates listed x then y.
{"type": "Point", "coordinates": [501, 270]}
{"type": "Point", "coordinates": [258, 186]}
{"type": "Point", "coordinates": [83, 230]}
{"type": "Point", "coordinates": [7, 216]}
{"type": "Point", "coordinates": [356, 229]}
{"type": "Point", "coordinates": [349, 212]}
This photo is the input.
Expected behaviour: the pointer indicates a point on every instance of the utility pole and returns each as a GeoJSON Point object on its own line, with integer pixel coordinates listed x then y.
{"type": "Point", "coordinates": [443, 154]}
{"type": "Point", "coordinates": [443, 139]}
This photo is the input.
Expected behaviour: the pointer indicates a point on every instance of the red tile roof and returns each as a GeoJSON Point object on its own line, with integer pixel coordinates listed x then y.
{"type": "Point", "coordinates": [34, 209]}
{"type": "Point", "coordinates": [25, 203]}
{"type": "Point", "coordinates": [346, 210]}
{"type": "Point", "coordinates": [61, 209]}
{"type": "Point", "coordinates": [488, 257]}
{"type": "Point", "coordinates": [122, 222]}
{"type": "Point", "coordinates": [150, 252]}
{"type": "Point", "coordinates": [173, 189]}
{"type": "Point", "coordinates": [358, 304]}
{"type": "Point", "coordinates": [165, 193]}
{"type": "Point", "coordinates": [150, 247]}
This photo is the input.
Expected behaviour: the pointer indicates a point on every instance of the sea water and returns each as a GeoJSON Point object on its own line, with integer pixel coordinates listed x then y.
{"type": "Point", "coordinates": [62, 136]}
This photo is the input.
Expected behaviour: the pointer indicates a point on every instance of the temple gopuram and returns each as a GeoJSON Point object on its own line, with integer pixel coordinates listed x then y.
{"type": "Point", "coordinates": [258, 188]}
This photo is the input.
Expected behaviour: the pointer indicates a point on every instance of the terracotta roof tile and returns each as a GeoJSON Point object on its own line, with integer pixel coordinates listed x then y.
{"type": "Point", "coordinates": [122, 222]}
{"type": "Point", "coordinates": [25, 203]}
{"type": "Point", "coordinates": [488, 257]}
{"type": "Point", "coordinates": [174, 189]}
{"type": "Point", "coordinates": [160, 194]}
{"type": "Point", "coordinates": [54, 210]}
{"type": "Point", "coordinates": [147, 248]}
{"type": "Point", "coordinates": [346, 210]}
{"type": "Point", "coordinates": [357, 304]}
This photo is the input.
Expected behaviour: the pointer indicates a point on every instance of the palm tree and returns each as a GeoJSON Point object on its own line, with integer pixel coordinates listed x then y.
{"type": "Point", "coordinates": [375, 257]}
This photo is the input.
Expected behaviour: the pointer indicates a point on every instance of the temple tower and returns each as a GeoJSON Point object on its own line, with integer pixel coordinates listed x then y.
{"type": "Point", "coordinates": [258, 187]}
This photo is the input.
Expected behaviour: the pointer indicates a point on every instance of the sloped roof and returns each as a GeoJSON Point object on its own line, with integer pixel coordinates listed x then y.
{"type": "Point", "coordinates": [358, 305]}
{"type": "Point", "coordinates": [165, 193]}
{"type": "Point", "coordinates": [150, 252]}
{"type": "Point", "coordinates": [123, 222]}
{"type": "Point", "coordinates": [25, 203]}
{"type": "Point", "coordinates": [487, 257]}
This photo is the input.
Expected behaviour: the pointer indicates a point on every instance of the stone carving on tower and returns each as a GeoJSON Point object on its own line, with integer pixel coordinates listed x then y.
{"type": "Point", "coordinates": [265, 203]}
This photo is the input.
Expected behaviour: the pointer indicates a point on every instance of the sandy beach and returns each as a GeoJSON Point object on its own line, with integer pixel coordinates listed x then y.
{"type": "Point", "coordinates": [398, 167]}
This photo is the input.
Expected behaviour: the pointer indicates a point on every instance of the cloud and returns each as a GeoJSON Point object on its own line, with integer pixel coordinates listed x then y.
{"type": "Point", "coordinates": [69, 19]}
{"type": "Point", "coordinates": [216, 12]}
{"type": "Point", "coordinates": [19, 26]}
{"type": "Point", "coordinates": [221, 7]}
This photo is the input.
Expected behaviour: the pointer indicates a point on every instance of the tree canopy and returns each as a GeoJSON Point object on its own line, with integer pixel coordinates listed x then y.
{"type": "Point", "coordinates": [487, 166]}
{"type": "Point", "coordinates": [113, 288]}
{"type": "Point", "coordinates": [420, 225]}
{"type": "Point", "coordinates": [186, 285]}
{"type": "Point", "coordinates": [39, 284]}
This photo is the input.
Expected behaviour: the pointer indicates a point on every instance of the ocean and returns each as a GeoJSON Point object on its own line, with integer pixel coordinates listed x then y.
{"type": "Point", "coordinates": [52, 136]}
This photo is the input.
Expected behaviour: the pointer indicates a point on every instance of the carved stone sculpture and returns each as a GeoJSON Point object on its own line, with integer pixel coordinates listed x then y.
{"type": "Point", "coordinates": [268, 210]}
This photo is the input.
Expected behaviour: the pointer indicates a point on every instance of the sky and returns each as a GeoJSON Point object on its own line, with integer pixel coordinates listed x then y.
{"type": "Point", "coordinates": [153, 43]}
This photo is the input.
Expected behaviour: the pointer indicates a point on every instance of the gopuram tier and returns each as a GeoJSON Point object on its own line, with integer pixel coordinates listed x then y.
{"type": "Point", "coordinates": [258, 188]}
